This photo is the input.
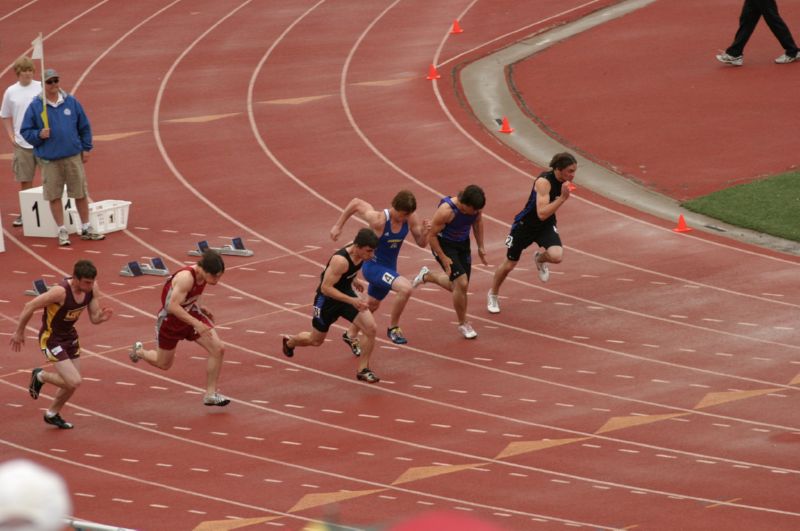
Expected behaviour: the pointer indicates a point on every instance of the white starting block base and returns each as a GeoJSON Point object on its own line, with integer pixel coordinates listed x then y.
{"type": "Point", "coordinates": [37, 220]}
{"type": "Point", "coordinates": [105, 216]}
{"type": "Point", "coordinates": [236, 248]}
{"type": "Point", "coordinates": [136, 269]}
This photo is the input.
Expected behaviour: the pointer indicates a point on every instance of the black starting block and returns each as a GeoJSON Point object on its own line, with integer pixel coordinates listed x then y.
{"type": "Point", "coordinates": [236, 248]}
{"type": "Point", "coordinates": [135, 269]}
{"type": "Point", "coordinates": [39, 287]}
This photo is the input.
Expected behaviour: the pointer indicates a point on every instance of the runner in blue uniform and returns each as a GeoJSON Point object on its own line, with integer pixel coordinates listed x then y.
{"type": "Point", "coordinates": [335, 298]}
{"type": "Point", "coordinates": [63, 304]}
{"type": "Point", "coordinates": [537, 223]}
{"type": "Point", "coordinates": [391, 226]}
{"type": "Point", "coordinates": [449, 241]}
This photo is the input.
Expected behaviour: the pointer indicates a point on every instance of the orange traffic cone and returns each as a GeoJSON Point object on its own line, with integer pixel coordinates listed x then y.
{"type": "Point", "coordinates": [682, 227]}
{"type": "Point", "coordinates": [432, 73]}
{"type": "Point", "coordinates": [506, 128]}
{"type": "Point", "coordinates": [456, 27]}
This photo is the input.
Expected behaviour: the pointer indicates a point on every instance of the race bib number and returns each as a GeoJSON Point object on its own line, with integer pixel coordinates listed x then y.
{"type": "Point", "coordinates": [555, 229]}
{"type": "Point", "coordinates": [388, 278]}
{"type": "Point", "coordinates": [509, 241]}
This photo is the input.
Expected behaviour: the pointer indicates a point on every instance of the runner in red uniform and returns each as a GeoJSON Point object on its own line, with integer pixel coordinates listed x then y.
{"type": "Point", "coordinates": [183, 317]}
{"type": "Point", "coordinates": [63, 304]}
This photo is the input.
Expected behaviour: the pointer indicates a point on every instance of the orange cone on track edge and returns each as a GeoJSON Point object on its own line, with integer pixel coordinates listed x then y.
{"type": "Point", "coordinates": [456, 27]}
{"type": "Point", "coordinates": [682, 227]}
{"type": "Point", "coordinates": [506, 128]}
{"type": "Point", "coordinates": [432, 73]}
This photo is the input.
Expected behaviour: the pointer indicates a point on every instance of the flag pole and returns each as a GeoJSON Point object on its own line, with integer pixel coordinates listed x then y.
{"type": "Point", "coordinates": [38, 53]}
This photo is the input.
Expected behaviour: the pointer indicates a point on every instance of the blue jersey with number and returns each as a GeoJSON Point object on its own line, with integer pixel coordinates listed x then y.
{"type": "Point", "coordinates": [389, 243]}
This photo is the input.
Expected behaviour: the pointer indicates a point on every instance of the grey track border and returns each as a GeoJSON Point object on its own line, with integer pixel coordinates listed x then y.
{"type": "Point", "coordinates": [489, 95]}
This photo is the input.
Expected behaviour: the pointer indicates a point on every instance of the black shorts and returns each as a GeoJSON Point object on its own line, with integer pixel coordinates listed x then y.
{"type": "Point", "coordinates": [327, 311]}
{"type": "Point", "coordinates": [522, 236]}
{"type": "Point", "coordinates": [461, 256]}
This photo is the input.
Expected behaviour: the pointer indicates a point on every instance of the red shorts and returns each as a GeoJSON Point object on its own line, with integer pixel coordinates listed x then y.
{"type": "Point", "coordinates": [171, 330]}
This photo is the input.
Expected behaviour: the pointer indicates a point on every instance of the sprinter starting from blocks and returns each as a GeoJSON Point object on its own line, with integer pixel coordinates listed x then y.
{"type": "Point", "coordinates": [236, 248]}
{"type": "Point", "coordinates": [155, 267]}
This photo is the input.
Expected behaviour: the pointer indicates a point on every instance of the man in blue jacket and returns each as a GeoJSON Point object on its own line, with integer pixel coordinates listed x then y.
{"type": "Point", "coordinates": [61, 150]}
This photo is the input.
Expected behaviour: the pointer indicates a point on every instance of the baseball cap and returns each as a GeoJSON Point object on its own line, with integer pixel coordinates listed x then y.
{"type": "Point", "coordinates": [50, 73]}
{"type": "Point", "coordinates": [32, 498]}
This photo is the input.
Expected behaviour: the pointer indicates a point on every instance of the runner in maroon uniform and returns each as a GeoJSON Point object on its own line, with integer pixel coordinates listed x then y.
{"type": "Point", "coordinates": [183, 317]}
{"type": "Point", "coordinates": [58, 339]}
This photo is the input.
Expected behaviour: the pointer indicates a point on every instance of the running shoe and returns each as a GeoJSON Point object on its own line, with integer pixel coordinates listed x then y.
{"type": "Point", "coordinates": [368, 376]}
{"type": "Point", "coordinates": [544, 271]}
{"type": "Point", "coordinates": [492, 304]}
{"type": "Point", "coordinates": [56, 420]}
{"type": "Point", "coordinates": [467, 331]}
{"type": "Point", "coordinates": [35, 385]}
{"type": "Point", "coordinates": [63, 237]}
{"type": "Point", "coordinates": [786, 59]}
{"type": "Point", "coordinates": [420, 278]}
{"type": "Point", "coordinates": [134, 353]}
{"type": "Point", "coordinates": [396, 335]}
{"type": "Point", "coordinates": [216, 400]}
{"type": "Point", "coordinates": [288, 352]}
{"type": "Point", "coordinates": [731, 60]}
{"type": "Point", "coordinates": [87, 235]}
{"type": "Point", "coordinates": [17, 222]}
{"type": "Point", "coordinates": [353, 343]}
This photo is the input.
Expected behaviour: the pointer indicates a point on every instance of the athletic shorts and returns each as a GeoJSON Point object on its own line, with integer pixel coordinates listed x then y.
{"type": "Point", "coordinates": [170, 329]}
{"type": "Point", "coordinates": [327, 311]}
{"type": "Point", "coordinates": [57, 173]}
{"type": "Point", "coordinates": [461, 256]}
{"type": "Point", "coordinates": [59, 348]}
{"type": "Point", "coordinates": [380, 278]}
{"type": "Point", "coordinates": [23, 164]}
{"type": "Point", "coordinates": [522, 236]}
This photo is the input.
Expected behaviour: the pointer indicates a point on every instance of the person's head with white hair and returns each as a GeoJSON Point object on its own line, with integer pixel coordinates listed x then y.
{"type": "Point", "coordinates": [32, 498]}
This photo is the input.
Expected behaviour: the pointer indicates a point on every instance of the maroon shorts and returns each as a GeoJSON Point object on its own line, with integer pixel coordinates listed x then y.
{"type": "Point", "coordinates": [57, 348]}
{"type": "Point", "coordinates": [171, 330]}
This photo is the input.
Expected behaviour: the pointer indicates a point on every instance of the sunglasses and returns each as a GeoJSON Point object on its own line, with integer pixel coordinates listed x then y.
{"type": "Point", "coordinates": [52, 81]}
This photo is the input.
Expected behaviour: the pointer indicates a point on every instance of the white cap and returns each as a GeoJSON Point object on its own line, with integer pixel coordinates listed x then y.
{"type": "Point", "coordinates": [32, 498]}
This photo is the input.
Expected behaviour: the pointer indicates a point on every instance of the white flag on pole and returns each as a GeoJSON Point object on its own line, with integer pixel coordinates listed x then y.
{"type": "Point", "coordinates": [38, 48]}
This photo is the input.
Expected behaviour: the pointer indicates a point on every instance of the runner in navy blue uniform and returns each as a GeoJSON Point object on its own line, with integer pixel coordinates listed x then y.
{"type": "Point", "coordinates": [391, 226]}
{"type": "Point", "coordinates": [335, 298]}
{"type": "Point", "coordinates": [58, 339]}
{"type": "Point", "coordinates": [537, 223]}
{"type": "Point", "coordinates": [449, 241]}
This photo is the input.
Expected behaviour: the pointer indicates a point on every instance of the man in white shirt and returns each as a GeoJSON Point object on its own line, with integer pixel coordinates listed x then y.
{"type": "Point", "coordinates": [15, 102]}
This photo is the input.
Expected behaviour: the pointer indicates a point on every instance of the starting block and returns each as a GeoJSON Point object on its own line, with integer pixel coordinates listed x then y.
{"type": "Point", "coordinates": [135, 269]}
{"type": "Point", "coordinates": [39, 287]}
{"type": "Point", "coordinates": [236, 248]}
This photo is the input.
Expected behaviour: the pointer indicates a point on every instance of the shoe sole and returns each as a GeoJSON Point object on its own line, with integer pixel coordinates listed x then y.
{"type": "Point", "coordinates": [222, 403]}
{"type": "Point", "coordinates": [288, 352]}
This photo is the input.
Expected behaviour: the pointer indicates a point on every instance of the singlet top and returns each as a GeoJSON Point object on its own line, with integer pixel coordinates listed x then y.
{"type": "Point", "coordinates": [58, 320]}
{"type": "Point", "coordinates": [191, 297]}
{"type": "Point", "coordinates": [389, 243]}
{"type": "Point", "coordinates": [458, 229]}
{"type": "Point", "coordinates": [528, 215]}
{"type": "Point", "coordinates": [345, 283]}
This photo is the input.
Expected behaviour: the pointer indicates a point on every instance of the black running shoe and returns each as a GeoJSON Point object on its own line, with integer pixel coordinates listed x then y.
{"type": "Point", "coordinates": [288, 352]}
{"type": "Point", "coordinates": [353, 343]}
{"type": "Point", "coordinates": [35, 385]}
{"type": "Point", "coordinates": [368, 376]}
{"type": "Point", "coordinates": [56, 420]}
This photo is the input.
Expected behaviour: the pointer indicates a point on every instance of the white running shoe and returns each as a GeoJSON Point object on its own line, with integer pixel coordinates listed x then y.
{"type": "Point", "coordinates": [133, 354]}
{"type": "Point", "coordinates": [786, 59]}
{"type": "Point", "coordinates": [63, 237]}
{"type": "Point", "coordinates": [544, 271]}
{"type": "Point", "coordinates": [467, 331]}
{"type": "Point", "coordinates": [731, 60]}
{"type": "Point", "coordinates": [492, 304]}
{"type": "Point", "coordinates": [420, 278]}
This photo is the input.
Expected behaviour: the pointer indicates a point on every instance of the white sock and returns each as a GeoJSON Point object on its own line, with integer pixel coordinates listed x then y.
{"type": "Point", "coordinates": [49, 414]}
{"type": "Point", "coordinates": [39, 376]}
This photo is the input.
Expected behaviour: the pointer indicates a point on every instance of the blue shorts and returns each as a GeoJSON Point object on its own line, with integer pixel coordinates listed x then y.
{"type": "Point", "coordinates": [380, 279]}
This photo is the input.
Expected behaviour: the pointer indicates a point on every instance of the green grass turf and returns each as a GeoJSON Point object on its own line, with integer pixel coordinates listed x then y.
{"type": "Point", "coordinates": [770, 205]}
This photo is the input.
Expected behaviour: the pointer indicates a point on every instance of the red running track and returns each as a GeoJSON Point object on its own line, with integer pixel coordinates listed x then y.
{"type": "Point", "coordinates": [651, 384]}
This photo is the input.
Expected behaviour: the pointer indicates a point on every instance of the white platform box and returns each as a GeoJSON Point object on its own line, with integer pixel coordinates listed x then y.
{"type": "Point", "coordinates": [108, 215]}
{"type": "Point", "coordinates": [36, 217]}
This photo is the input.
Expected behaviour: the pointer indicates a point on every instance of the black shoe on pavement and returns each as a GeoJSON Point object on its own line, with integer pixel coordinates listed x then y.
{"type": "Point", "coordinates": [368, 376]}
{"type": "Point", "coordinates": [288, 352]}
{"type": "Point", "coordinates": [35, 385]}
{"type": "Point", "coordinates": [56, 420]}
